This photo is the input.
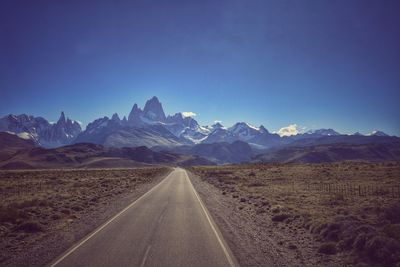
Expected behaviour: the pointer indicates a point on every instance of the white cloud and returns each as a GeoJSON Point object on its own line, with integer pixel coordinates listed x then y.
{"type": "Point", "coordinates": [217, 121]}
{"type": "Point", "coordinates": [292, 129]}
{"type": "Point", "coordinates": [188, 114]}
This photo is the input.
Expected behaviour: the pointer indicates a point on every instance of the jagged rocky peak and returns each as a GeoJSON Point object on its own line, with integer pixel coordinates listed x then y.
{"type": "Point", "coordinates": [134, 115]}
{"type": "Point", "coordinates": [115, 117]}
{"type": "Point", "coordinates": [179, 118]}
{"type": "Point", "coordinates": [153, 110]}
{"type": "Point", "coordinates": [263, 129]}
{"type": "Point", "coordinates": [217, 125]}
{"type": "Point", "coordinates": [176, 116]}
{"type": "Point", "coordinates": [62, 118]}
{"type": "Point", "coordinates": [136, 109]}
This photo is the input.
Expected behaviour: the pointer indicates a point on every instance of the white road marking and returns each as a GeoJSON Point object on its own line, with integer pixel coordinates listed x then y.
{"type": "Point", "coordinates": [227, 255]}
{"type": "Point", "coordinates": [145, 256]}
{"type": "Point", "coordinates": [80, 243]}
{"type": "Point", "coordinates": [161, 217]}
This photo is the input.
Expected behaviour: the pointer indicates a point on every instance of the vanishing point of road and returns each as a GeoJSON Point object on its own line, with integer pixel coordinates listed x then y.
{"type": "Point", "coordinates": [167, 226]}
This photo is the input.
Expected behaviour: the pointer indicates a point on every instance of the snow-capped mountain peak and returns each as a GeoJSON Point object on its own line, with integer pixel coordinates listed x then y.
{"type": "Point", "coordinates": [240, 126]}
{"type": "Point", "coordinates": [378, 133]}
{"type": "Point", "coordinates": [323, 132]}
{"type": "Point", "coordinates": [215, 126]}
{"type": "Point", "coordinates": [244, 131]}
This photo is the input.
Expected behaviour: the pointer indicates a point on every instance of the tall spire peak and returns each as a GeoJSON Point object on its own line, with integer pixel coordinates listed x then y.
{"type": "Point", "coordinates": [134, 115]}
{"type": "Point", "coordinates": [153, 110]}
{"type": "Point", "coordinates": [62, 117]}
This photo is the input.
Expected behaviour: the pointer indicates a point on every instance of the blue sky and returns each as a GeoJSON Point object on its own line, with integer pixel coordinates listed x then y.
{"type": "Point", "coordinates": [319, 64]}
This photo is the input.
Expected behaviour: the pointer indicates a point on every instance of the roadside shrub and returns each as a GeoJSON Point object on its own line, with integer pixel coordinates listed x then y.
{"type": "Point", "coordinates": [66, 211]}
{"type": "Point", "coordinates": [30, 227]}
{"type": "Point", "coordinates": [11, 214]}
{"type": "Point", "coordinates": [383, 249]}
{"type": "Point", "coordinates": [393, 231]}
{"type": "Point", "coordinates": [328, 248]}
{"type": "Point", "coordinates": [280, 217]}
{"type": "Point", "coordinates": [276, 209]}
{"type": "Point", "coordinates": [317, 227]}
{"type": "Point", "coordinates": [77, 208]}
{"type": "Point", "coordinates": [392, 213]}
{"type": "Point", "coordinates": [260, 211]}
{"type": "Point", "coordinates": [359, 242]}
{"type": "Point", "coordinates": [331, 232]}
{"type": "Point", "coordinates": [55, 217]}
{"type": "Point", "coordinates": [256, 184]}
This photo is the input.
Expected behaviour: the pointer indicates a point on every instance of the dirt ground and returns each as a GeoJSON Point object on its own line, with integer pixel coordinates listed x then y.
{"type": "Point", "coordinates": [339, 214]}
{"type": "Point", "coordinates": [42, 213]}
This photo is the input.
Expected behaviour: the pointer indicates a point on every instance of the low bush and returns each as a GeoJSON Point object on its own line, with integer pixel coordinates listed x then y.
{"type": "Point", "coordinates": [30, 227]}
{"type": "Point", "coordinates": [277, 209]}
{"type": "Point", "coordinates": [280, 217]}
{"type": "Point", "coordinates": [392, 230]}
{"type": "Point", "coordinates": [392, 213]}
{"type": "Point", "coordinates": [328, 248]}
{"type": "Point", "coordinates": [12, 214]}
{"type": "Point", "coordinates": [382, 249]}
{"type": "Point", "coordinates": [256, 184]}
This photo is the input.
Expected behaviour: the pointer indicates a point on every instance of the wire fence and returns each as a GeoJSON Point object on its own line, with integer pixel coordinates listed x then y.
{"type": "Point", "coordinates": [350, 189]}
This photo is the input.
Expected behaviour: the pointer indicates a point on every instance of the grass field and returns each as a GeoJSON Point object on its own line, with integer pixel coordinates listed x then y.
{"type": "Point", "coordinates": [352, 209]}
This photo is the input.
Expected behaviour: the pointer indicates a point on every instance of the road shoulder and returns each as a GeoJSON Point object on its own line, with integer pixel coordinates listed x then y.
{"type": "Point", "coordinates": [252, 237]}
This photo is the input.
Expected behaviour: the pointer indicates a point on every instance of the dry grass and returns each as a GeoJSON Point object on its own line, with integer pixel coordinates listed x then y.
{"type": "Point", "coordinates": [351, 208]}
{"type": "Point", "coordinates": [37, 204]}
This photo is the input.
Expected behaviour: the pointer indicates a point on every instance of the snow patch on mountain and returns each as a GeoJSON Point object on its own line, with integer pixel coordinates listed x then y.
{"type": "Point", "coordinates": [323, 132]}
{"type": "Point", "coordinates": [378, 133]}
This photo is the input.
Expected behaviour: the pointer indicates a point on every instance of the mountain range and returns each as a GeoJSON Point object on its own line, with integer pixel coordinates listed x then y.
{"type": "Point", "coordinates": [177, 133]}
{"type": "Point", "coordinates": [41, 131]}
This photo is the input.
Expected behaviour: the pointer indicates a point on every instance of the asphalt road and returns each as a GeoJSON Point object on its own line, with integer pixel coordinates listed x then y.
{"type": "Point", "coordinates": [167, 226]}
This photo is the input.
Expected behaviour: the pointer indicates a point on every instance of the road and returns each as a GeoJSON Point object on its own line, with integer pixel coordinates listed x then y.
{"type": "Point", "coordinates": [167, 226]}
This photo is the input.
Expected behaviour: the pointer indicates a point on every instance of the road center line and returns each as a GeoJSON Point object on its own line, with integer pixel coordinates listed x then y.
{"type": "Point", "coordinates": [145, 256]}
{"type": "Point", "coordinates": [161, 217]}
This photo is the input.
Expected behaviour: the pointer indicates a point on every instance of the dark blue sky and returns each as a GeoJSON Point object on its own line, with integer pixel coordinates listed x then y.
{"type": "Point", "coordinates": [314, 63]}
